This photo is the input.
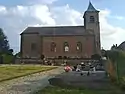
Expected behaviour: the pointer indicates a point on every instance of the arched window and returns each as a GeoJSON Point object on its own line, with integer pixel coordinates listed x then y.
{"type": "Point", "coordinates": [53, 47]}
{"type": "Point", "coordinates": [66, 47]}
{"type": "Point", "coordinates": [79, 47]}
{"type": "Point", "coordinates": [92, 19]}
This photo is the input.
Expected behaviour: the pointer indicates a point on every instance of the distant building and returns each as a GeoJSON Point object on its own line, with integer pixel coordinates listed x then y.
{"type": "Point", "coordinates": [122, 46]}
{"type": "Point", "coordinates": [70, 41]}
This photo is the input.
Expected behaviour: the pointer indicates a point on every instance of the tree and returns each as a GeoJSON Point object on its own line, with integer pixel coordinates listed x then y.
{"type": "Point", "coordinates": [4, 44]}
{"type": "Point", "coordinates": [18, 54]}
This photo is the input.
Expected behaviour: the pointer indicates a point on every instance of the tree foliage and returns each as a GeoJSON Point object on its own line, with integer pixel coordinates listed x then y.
{"type": "Point", "coordinates": [115, 55]}
{"type": "Point", "coordinates": [117, 58]}
{"type": "Point", "coordinates": [6, 54]}
{"type": "Point", "coordinates": [4, 44]}
{"type": "Point", "coordinates": [18, 54]}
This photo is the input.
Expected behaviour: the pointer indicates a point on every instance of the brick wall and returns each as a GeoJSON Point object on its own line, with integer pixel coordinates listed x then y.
{"type": "Point", "coordinates": [88, 46]}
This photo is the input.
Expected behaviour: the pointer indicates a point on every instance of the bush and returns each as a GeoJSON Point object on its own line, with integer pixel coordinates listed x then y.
{"type": "Point", "coordinates": [116, 55]}
{"type": "Point", "coordinates": [8, 59]}
{"type": "Point", "coordinates": [117, 58]}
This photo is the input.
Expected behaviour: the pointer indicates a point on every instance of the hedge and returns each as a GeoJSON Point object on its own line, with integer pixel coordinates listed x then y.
{"type": "Point", "coordinates": [117, 58]}
{"type": "Point", "coordinates": [7, 59]}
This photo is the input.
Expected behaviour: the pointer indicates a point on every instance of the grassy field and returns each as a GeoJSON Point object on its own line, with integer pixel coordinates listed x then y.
{"type": "Point", "coordinates": [8, 72]}
{"type": "Point", "coordinates": [57, 90]}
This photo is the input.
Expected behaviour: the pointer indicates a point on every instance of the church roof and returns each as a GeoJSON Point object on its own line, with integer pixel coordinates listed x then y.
{"type": "Point", "coordinates": [91, 7]}
{"type": "Point", "coordinates": [122, 46]}
{"type": "Point", "coordinates": [58, 30]}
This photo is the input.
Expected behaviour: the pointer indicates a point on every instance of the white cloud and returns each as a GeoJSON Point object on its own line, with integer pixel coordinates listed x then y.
{"type": "Point", "coordinates": [110, 34]}
{"type": "Point", "coordinates": [42, 1]}
{"type": "Point", "coordinates": [2, 10]}
{"type": "Point", "coordinates": [47, 1]}
{"type": "Point", "coordinates": [13, 20]}
{"type": "Point", "coordinates": [119, 17]}
{"type": "Point", "coordinates": [66, 16]}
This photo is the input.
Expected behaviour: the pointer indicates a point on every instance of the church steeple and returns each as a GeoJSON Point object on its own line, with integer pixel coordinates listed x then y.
{"type": "Point", "coordinates": [91, 22]}
{"type": "Point", "coordinates": [91, 7]}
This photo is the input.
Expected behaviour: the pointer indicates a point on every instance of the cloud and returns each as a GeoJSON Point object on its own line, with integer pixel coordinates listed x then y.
{"type": "Point", "coordinates": [42, 1]}
{"type": "Point", "coordinates": [15, 19]}
{"type": "Point", "coordinates": [119, 17]}
{"type": "Point", "coordinates": [65, 15]}
{"type": "Point", "coordinates": [110, 34]}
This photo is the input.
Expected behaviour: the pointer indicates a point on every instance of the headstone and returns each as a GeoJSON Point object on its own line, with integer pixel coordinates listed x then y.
{"type": "Point", "coordinates": [94, 69]}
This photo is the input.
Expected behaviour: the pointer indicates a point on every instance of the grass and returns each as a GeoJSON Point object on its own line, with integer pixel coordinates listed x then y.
{"type": "Point", "coordinates": [58, 90]}
{"type": "Point", "coordinates": [8, 72]}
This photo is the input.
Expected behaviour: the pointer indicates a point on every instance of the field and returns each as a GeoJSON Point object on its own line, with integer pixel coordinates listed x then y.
{"type": "Point", "coordinates": [8, 72]}
{"type": "Point", "coordinates": [57, 90]}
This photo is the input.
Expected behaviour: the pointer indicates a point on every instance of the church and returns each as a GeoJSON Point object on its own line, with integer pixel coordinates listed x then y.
{"type": "Point", "coordinates": [63, 41]}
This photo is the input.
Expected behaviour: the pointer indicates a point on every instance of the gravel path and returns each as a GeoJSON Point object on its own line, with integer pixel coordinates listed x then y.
{"type": "Point", "coordinates": [28, 84]}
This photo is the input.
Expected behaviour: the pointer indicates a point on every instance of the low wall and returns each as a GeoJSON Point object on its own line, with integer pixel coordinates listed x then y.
{"type": "Point", "coordinates": [55, 61]}
{"type": "Point", "coordinates": [28, 61]}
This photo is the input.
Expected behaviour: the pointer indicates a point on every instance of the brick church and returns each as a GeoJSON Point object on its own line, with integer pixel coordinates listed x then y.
{"type": "Point", "coordinates": [70, 41]}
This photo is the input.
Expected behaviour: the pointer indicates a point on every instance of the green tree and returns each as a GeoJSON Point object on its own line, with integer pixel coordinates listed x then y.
{"type": "Point", "coordinates": [18, 54]}
{"type": "Point", "coordinates": [4, 44]}
{"type": "Point", "coordinates": [6, 54]}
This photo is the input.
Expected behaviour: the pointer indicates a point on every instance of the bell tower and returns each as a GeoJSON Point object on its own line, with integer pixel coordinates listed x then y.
{"type": "Point", "coordinates": [91, 22]}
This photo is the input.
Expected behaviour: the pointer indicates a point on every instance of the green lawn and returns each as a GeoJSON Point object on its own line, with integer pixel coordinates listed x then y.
{"type": "Point", "coordinates": [12, 71]}
{"type": "Point", "coordinates": [57, 90]}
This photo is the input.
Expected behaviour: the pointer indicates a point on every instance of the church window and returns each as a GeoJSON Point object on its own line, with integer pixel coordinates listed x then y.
{"type": "Point", "coordinates": [92, 20]}
{"type": "Point", "coordinates": [79, 47]}
{"type": "Point", "coordinates": [53, 47]}
{"type": "Point", "coordinates": [66, 47]}
{"type": "Point", "coordinates": [33, 46]}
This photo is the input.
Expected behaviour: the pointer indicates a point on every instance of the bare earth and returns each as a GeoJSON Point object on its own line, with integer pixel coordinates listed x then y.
{"type": "Point", "coordinates": [28, 84]}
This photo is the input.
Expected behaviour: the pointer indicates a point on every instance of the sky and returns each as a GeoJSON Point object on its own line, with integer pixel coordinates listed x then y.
{"type": "Point", "coordinates": [16, 15]}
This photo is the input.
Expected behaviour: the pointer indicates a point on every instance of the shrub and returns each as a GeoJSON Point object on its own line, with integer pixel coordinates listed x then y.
{"type": "Point", "coordinates": [117, 58]}
{"type": "Point", "coordinates": [8, 59]}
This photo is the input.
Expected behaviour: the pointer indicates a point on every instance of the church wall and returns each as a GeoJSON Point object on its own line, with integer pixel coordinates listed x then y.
{"type": "Point", "coordinates": [26, 42]}
{"type": "Point", "coordinates": [87, 46]}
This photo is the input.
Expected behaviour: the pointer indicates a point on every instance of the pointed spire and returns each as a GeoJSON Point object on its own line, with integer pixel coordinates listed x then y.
{"type": "Point", "coordinates": [91, 7]}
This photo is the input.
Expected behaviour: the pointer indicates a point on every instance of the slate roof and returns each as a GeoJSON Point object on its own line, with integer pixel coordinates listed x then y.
{"type": "Point", "coordinates": [61, 30]}
{"type": "Point", "coordinates": [91, 7]}
{"type": "Point", "coordinates": [122, 46]}
{"type": "Point", "coordinates": [58, 30]}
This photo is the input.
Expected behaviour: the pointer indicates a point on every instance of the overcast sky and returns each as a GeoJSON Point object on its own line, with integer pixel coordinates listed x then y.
{"type": "Point", "coordinates": [16, 15]}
